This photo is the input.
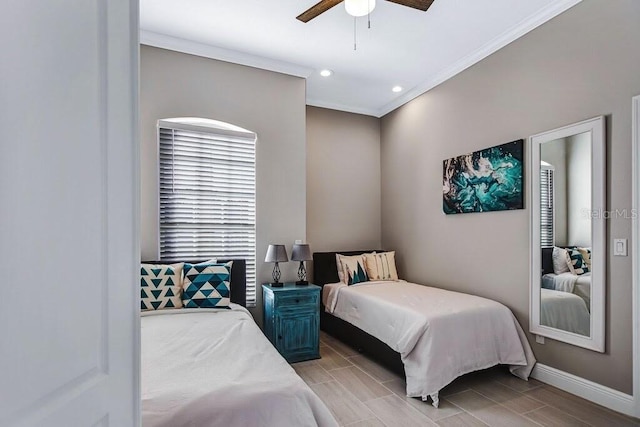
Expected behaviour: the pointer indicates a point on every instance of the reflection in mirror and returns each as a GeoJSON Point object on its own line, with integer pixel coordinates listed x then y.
{"type": "Point", "coordinates": [568, 233]}
{"type": "Point", "coordinates": [565, 233]}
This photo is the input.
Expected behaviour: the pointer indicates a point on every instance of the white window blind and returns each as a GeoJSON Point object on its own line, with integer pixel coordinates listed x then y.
{"type": "Point", "coordinates": [546, 207]}
{"type": "Point", "coordinates": [208, 194]}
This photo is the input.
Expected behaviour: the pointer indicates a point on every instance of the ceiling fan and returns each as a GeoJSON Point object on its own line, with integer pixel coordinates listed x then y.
{"type": "Point", "coordinates": [325, 5]}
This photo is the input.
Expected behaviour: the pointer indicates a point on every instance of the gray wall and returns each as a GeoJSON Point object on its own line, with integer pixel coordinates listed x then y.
{"type": "Point", "coordinates": [272, 105]}
{"type": "Point", "coordinates": [582, 64]}
{"type": "Point", "coordinates": [555, 153]}
{"type": "Point", "coordinates": [578, 195]}
{"type": "Point", "coordinates": [343, 180]}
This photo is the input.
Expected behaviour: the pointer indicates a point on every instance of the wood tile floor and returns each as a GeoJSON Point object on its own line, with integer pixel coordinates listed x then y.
{"type": "Point", "coordinates": [361, 393]}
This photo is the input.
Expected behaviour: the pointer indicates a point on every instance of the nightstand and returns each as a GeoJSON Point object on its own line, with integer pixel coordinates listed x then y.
{"type": "Point", "coordinates": [292, 320]}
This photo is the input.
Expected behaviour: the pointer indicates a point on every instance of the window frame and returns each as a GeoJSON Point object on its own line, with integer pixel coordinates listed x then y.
{"type": "Point", "coordinates": [200, 130]}
{"type": "Point", "coordinates": [549, 238]}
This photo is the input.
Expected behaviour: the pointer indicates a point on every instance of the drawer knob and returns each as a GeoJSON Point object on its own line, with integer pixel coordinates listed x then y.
{"type": "Point", "coordinates": [279, 337]}
{"type": "Point", "coordinates": [297, 301]}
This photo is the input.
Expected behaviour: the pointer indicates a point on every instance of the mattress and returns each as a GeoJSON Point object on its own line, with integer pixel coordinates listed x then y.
{"type": "Point", "coordinates": [216, 368]}
{"type": "Point", "coordinates": [439, 334]}
{"type": "Point", "coordinates": [564, 310]}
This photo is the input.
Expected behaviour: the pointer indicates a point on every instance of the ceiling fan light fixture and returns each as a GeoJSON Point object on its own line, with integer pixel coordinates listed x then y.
{"type": "Point", "coordinates": [359, 7]}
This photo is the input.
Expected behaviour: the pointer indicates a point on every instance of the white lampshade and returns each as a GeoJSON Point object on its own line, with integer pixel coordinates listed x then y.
{"type": "Point", "coordinates": [359, 7]}
{"type": "Point", "coordinates": [276, 253]}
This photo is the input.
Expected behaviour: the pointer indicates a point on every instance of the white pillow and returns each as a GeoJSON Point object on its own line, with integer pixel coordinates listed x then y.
{"type": "Point", "coordinates": [209, 261]}
{"type": "Point", "coordinates": [339, 266]}
{"type": "Point", "coordinates": [559, 257]}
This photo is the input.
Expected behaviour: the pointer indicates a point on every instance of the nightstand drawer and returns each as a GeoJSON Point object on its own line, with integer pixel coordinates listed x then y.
{"type": "Point", "coordinates": [297, 300]}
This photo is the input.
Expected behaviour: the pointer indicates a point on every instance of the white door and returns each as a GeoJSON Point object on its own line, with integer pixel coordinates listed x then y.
{"type": "Point", "coordinates": [68, 213]}
{"type": "Point", "coordinates": [635, 252]}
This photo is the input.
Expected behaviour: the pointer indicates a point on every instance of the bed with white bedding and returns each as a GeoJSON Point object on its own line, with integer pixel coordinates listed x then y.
{"type": "Point", "coordinates": [571, 283]}
{"type": "Point", "coordinates": [564, 310]}
{"type": "Point", "coordinates": [214, 367]}
{"type": "Point", "coordinates": [439, 334]}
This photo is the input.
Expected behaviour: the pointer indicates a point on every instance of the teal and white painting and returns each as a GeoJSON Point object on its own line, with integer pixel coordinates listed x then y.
{"type": "Point", "coordinates": [485, 180]}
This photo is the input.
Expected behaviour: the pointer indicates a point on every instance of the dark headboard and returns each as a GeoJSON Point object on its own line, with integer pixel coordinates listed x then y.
{"type": "Point", "coordinates": [547, 260]}
{"type": "Point", "coordinates": [238, 277]}
{"type": "Point", "coordinates": [324, 265]}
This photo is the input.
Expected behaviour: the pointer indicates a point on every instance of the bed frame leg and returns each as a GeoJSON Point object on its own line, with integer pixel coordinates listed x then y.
{"type": "Point", "coordinates": [436, 399]}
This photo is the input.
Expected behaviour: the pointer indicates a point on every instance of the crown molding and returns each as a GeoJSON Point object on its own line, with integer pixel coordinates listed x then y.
{"type": "Point", "coordinates": [177, 44]}
{"type": "Point", "coordinates": [208, 51]}
{"type": "Point", "coordinates": [342, 107]}
{"type": "Point", "coordinates": [494, 45]}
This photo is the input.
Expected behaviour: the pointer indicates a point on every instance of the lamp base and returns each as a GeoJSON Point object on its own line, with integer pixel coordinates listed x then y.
{"type": "Point", "coordinates": [302, 283]}
{"type": "Point", "coordinates": [276, 284]}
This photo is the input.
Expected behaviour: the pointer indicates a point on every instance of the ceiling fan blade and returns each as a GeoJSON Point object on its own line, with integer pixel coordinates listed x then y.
{"type": "Point", "coordinates": [317, 9]}
{"type": "Point", "coordinates": [416, 4]}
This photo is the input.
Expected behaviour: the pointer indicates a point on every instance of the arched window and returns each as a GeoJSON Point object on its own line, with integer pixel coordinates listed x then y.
{"type": "Point", "coordinates": [207, 197]}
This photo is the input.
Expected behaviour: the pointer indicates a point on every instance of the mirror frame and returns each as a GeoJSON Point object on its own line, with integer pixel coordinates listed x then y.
{"type": "Point", "coordinates": [596, 341]}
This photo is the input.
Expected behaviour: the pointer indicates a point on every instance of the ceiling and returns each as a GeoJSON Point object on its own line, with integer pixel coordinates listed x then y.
{"type": "Point", "coordinates": [406, 47]}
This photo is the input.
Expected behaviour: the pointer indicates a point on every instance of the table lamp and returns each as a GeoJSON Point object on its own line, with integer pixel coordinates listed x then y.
{"type": "Point", "coordinates": [276, 253]}
{"type": "Point", "coordinates": [301, 252]}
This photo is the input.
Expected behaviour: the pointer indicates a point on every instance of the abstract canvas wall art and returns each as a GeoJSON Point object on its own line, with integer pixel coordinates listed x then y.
{"type": "Point", "coordinates": [485, 180]}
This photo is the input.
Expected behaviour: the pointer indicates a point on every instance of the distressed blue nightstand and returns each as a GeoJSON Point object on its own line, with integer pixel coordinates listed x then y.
{"type": "Point", "coordinates": [292, 320]}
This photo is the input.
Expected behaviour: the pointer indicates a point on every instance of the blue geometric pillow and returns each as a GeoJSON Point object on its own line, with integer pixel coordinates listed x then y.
{"type": "Point", "coordinates": [160, 286]}
{"type": "Point", "coordinates": [206, 285]}
{"type": "Point", "coordinates": [586, 255]}
{"type": "Point", "coordinates": [576, 262]}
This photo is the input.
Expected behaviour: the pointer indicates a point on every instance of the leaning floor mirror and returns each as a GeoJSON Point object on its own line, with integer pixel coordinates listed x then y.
{"type": "Point", "coordinates": [567, 200]}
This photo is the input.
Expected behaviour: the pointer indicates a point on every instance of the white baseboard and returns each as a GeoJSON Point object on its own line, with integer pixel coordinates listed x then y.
{"type": "Point", "coordinates": [596, 393]}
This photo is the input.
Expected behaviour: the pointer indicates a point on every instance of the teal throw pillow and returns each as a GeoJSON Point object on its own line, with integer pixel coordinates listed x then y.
{"type": "Point", "coordinates": [206, 285]}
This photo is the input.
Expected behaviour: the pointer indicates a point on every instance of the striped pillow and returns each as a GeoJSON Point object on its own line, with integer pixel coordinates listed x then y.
{"type": "Point", "coordinates": [381, 266]}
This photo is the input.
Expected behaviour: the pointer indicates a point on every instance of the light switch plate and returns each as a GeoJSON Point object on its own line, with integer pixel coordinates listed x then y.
{"type": "Point", "coordinates": [619, 247]}
{"type": "Point", "coordinates": [539, 339]}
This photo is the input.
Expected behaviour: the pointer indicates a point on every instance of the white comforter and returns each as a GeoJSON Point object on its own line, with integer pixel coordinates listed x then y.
{"type": "Point", "coordinates": [215, 368]}
{"type": "Point", "coordinates": [579, 285]}
{"type": "Point", "coordinates": [564, 310]}
{"type": "Point", "coordinates": [439, 334]}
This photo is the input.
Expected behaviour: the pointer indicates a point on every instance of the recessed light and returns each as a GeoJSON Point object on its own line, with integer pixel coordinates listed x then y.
{"type": "Point", "coordinates": [397, 89]}
{"type": "Point", "coordinates": [326, 73]}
